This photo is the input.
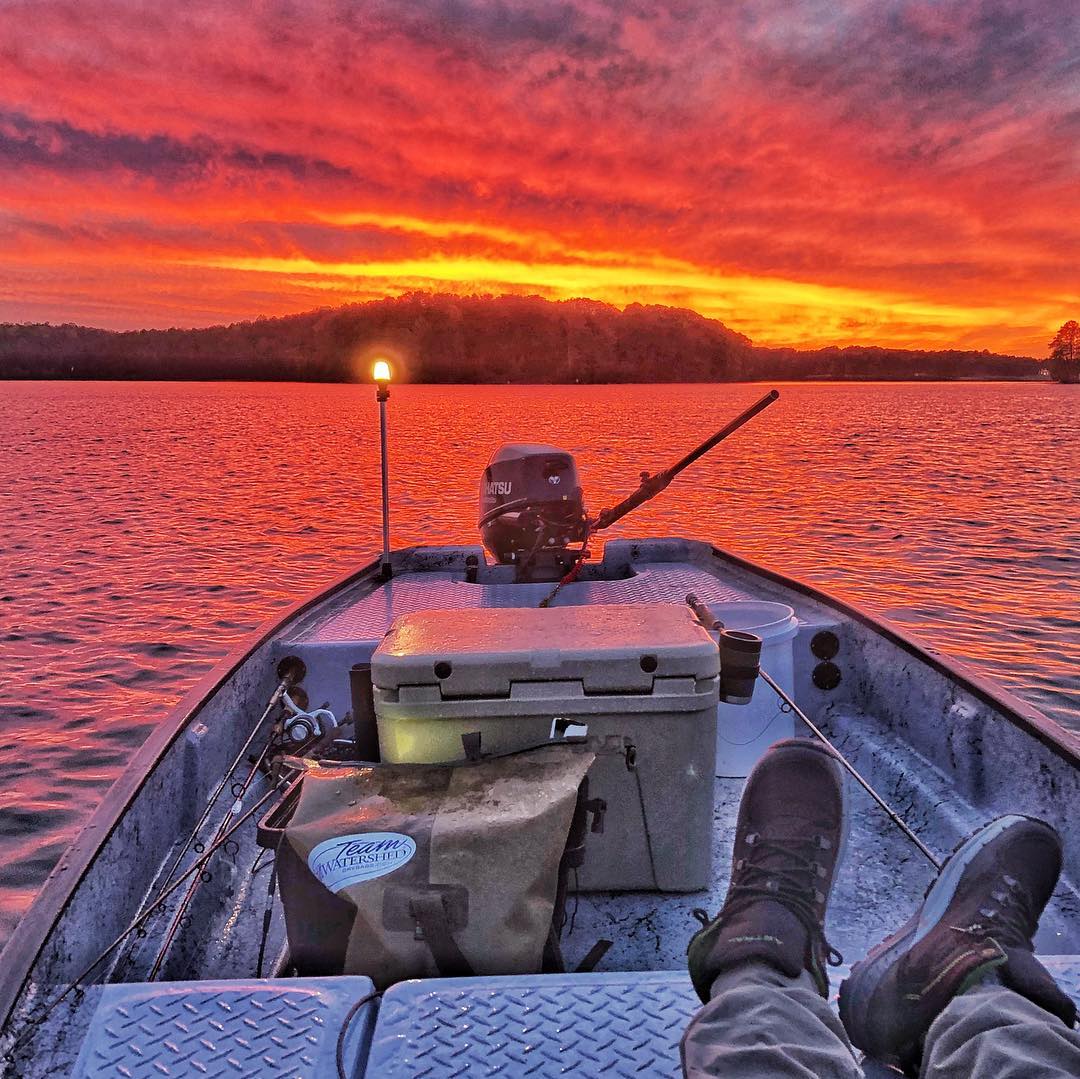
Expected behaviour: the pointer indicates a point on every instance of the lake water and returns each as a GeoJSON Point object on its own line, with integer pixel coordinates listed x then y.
{"type": "Point", "coordinates": [146, 528]}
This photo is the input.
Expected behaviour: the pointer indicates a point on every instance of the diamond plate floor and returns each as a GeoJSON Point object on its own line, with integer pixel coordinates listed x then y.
{"type": "Point", "coordinates": [182, 1030]}
{"type": "Point", "coordinates": [547, 1026]}
{"type": "Point", "coordinates": [543, 1026]}
{"type": "Point", "coordinates": [369, 617]}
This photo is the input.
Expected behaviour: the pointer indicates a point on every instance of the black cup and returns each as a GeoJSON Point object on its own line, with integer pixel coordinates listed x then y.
{"type": "Point", "coordinates": [740, 658]}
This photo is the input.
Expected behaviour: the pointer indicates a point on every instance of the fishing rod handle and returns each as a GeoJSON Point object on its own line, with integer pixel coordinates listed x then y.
{"type": "Point", "coordinates": [702, 613]}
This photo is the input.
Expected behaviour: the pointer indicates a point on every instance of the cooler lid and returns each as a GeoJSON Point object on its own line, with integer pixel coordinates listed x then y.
{"type": "Point", "coordinates": [608, 648]}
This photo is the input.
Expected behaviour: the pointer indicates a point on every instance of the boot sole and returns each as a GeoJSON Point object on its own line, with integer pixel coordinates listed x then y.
{"type": "Point", "coordinates": [857, 990]}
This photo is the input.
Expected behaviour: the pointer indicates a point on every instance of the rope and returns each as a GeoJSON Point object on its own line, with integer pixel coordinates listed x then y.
{"type": "Point", "coordinates": [339, 1055]}
{"type": "Point", "coordinates": [575, 569]}
{"type": "Point", "coordinates": [648, 834]}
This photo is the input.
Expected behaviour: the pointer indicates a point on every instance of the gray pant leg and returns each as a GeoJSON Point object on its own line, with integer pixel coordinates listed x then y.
{"type": "Point", "coordinates": [761, 1023]}
{"type": "Point", "coordinates": [992, 1031]}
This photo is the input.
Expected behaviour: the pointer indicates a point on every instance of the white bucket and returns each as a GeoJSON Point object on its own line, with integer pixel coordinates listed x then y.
{"type": "Point", "coordinates": [745, 731]}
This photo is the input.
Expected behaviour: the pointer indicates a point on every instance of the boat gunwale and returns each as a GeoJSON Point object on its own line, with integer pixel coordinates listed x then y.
{"type": "Point", "coordinates": [33, 930]}
{"type": "Point", "coordinates": [1024, 715]}
{"type": "Point", "coordinates": [31, 933]}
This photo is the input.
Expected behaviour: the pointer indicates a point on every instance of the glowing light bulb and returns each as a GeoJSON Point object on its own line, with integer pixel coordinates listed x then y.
{"type": "Point", "coordinates": [381, 371]}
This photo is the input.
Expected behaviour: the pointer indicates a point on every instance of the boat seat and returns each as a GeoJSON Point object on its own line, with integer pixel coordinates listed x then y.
{"type": "Point", "coordinates": [626, 1023]}
{"type": "Point", "coordinates": [619, 1024]}
{"type": "Point", "coordinates": [275, 1027]}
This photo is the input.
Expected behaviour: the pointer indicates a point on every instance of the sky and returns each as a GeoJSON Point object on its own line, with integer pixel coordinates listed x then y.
{"type": "Point", "coordinates": [810, 173]}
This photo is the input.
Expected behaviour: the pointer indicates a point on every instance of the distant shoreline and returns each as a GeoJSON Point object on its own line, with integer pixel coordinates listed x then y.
{"type": "Point", "coordinates": [443, 339]}
{"type": "Point", "coordinates": [814, 380]}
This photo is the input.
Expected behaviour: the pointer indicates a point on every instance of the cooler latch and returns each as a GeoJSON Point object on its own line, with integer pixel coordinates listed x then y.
{"type": "Point", "coordinates": [597, 807]}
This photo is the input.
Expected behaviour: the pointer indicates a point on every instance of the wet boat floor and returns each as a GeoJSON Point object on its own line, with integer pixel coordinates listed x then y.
{"type": "Point", "coordinates": [880, 881]}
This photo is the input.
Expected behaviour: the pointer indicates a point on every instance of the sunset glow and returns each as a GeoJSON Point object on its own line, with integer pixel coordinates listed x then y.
{"type": "Point", "coordinates": [808, 173]}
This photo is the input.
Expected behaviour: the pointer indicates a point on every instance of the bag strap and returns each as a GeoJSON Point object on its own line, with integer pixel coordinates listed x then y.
{"type": "Point", "coordinates": [428, 910]}
{"type": "Point", "coordinates": [593, 956]}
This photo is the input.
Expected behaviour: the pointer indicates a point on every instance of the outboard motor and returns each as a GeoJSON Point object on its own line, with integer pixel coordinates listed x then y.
{"type": "Point", "coordinates": [532, 509]}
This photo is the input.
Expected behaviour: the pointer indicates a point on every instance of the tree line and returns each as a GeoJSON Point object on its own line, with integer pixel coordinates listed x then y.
{"type": "Point", "coordinates": [1064, 362]}
{"type": "Point", "coordinates": [442, 338]}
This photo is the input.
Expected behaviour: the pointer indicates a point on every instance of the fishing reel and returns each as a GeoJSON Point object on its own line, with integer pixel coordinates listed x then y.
{"type": "Point", "coordinates": [301, 726]}
{"type": "Point", "coordinates": [532, 509]}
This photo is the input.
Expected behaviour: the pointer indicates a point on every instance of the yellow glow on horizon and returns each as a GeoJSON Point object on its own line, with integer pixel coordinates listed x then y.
{"type": "Point", "coordinates": [421, 225]}
{"type": "Point", "coordinates": [741, 301]}
{"type": "Point", "coordinates": [536, 242]}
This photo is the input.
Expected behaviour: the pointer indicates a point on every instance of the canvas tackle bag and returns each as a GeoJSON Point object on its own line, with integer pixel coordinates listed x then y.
{"type": "Point", "coordinates": [427, 870]}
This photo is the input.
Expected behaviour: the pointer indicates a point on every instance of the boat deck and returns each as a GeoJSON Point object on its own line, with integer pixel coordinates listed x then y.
{"type": "Point", "coordinates": [882, 876]}
{"type": "Point", "coordinates": [331, 641]}
{"type": "Point", "coordinates": [445, 1027]}
{"type": "Point", "coordinates": [880, 880]}
{"type": "Point", "coordinates": [542, 1026]}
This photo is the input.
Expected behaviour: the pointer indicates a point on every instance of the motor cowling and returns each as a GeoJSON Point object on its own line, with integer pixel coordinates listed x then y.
{"type": "Point", "coordinates": [532, 508]}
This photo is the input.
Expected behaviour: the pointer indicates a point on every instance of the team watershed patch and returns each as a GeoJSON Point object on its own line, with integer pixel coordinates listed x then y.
{"type": "Point", "coordinates": [353, 859]}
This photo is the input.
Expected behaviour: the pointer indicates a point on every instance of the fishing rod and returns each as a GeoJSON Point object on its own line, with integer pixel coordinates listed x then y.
{"type": "Point", "coordinates": [185, 902]}
{"type": "Point", "coordinates": [893, 815]}
{"type": "Point", "coordinates": [705, 617]}
{"type": "Point", "coordinates": [290, 671]}
{"type": "Point", "coordinates": [308, 726]}
{"type": "Point", "coordinates": [196, 867]}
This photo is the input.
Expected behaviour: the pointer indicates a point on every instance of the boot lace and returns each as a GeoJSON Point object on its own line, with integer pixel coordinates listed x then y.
{"type": "Point", "coordinates": [783, 870]}
{"type": "Point", "coordinates": [1009, 916]}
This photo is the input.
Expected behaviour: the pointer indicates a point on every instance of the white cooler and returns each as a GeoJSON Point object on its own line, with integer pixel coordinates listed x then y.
{"type": "Point", "coordinates": [645, 672]}
{"type": "Point", "coordinates": [745, 731]}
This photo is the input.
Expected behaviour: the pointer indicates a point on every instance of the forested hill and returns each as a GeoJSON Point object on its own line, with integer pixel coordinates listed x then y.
{"type": "Point", "coordinates": [470, 339]}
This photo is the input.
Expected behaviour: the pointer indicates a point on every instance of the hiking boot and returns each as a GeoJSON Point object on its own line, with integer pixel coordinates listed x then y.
{"type": "Point", "coordinates": [978, 918]}
{"type": "Point", "coordinates": [787, 842]}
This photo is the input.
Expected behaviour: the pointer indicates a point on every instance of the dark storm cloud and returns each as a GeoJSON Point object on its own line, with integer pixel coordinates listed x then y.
{"type": "Point", "coordinates": [60, 147]}
{"type": "Point", "coordinates": [487, 27]}
{"type": "Point", "coordinates": [935, 59]}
